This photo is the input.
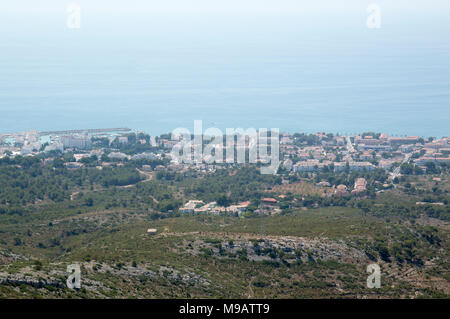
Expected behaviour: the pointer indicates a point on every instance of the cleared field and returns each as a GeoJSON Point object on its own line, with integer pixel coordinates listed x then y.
{"type": "Point", "coordinates": [300, 188]}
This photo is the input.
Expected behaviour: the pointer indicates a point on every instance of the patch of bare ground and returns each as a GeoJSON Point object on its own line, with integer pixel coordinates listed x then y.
{"type": "Point", "coordinates": [300, 188]}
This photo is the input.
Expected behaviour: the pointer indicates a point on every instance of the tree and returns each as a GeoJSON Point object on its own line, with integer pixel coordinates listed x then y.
{"type": "Point", "coordinates": [89, 202]}
{"type": "Point", "coordinates": [58, 163]}
{"type": "Point", "coordinates": [223, 200]}
{"type": "Point", "coordinates": [406, 169]}
{"type": "Point", "coordinates": [431, 168]}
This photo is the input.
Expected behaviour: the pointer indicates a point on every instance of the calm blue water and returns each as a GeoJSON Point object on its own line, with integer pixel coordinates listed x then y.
{"type": "Point", "coordinates": [292, 72]}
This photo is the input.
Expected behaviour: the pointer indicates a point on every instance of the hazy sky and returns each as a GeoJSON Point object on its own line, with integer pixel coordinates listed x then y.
{"type": "Point", "coordinates": [119, 15]}
{"type": "Point", "coordinates": [211, 6]}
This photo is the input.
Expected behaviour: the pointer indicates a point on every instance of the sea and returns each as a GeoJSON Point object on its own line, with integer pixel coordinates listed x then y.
{"type": "Point", "coordinates": [296, 71]}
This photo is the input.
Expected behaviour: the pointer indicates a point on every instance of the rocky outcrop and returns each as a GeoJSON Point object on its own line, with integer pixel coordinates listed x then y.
{"type": "Point", "coordinates": [37, 282]}
{"type": "Point", "coordinates": [286, 249]}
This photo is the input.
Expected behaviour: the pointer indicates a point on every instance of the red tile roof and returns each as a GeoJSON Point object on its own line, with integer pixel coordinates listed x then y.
{"type": "Point", "coordinates": [269, 200]}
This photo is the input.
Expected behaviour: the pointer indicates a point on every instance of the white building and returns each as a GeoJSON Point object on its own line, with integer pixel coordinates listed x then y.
{"type": "Point", "coordinates": [144, 155]}
{"type": "Point", "coordinates": [123, 139]}
{"type": "Point", "coordinates": [117, 155]}
{"type": "Point", "coordinates": [189, 207]}
{"type": "Point", "coordinates": [359, 166]}
{"type": "Point", "coordinates": [306, 166]}
{"type": "Point", "coordinates": [55, 146]}
{"type": "Point", "coordinates": [288, 164]}
{"type": "Point", "coordinates": [70, 141]}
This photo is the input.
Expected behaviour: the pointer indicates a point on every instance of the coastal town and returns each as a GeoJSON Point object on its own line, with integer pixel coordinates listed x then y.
{"type": "Point", "coordinates": [303, 156]}
{"type": "Point", "coordinates": [124, 205]}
